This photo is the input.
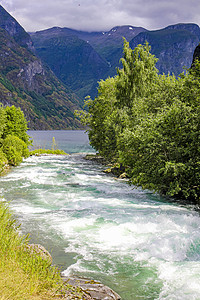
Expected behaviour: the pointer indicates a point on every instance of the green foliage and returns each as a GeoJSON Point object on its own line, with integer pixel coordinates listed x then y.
{"type": "Point", "coordinates": [14, 140]}
{"type": "Point", "coordinates": [39, 152]}
{"type": "Point", "coordinates": [14, 149]}
{"type": "Point", "coordinates": [138, 75]}
{"type": "Point", "coordinates": [24, 274]}
{"type": "Point", "coordinates": [2, 119]}
{"type": "Point", "coordinates": [150, 123]}
{"type": "Point", "coordinates": [3, 160]}
{"type": "Point", "coordinates": [15, 124]}
{"type": "Point", "coordinates": [53, 150]}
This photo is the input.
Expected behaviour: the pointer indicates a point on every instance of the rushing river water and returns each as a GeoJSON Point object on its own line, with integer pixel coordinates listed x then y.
{"type": "Point", "coordinates": [99, 227]}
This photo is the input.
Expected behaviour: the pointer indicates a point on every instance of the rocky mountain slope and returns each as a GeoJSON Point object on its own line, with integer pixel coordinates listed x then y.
{"type": "Point", "coordinates": [80, 59]}
{"type": "Point", "coordinates": [72, 59]}
{"type": "Point", "coordinates": [81, 68]}
{"type": "Point", "coordinates": [173, 46]}
{"type": "Point", "coordinates": [27, 83]}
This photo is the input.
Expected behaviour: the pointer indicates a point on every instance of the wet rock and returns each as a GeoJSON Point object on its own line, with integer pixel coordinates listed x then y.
{"type": "Point", "coordinates": [96, 158]}
{"type": "Point", "coordinates": [92, 289]}
{"type": "Point", "coordinates": [123, 176]}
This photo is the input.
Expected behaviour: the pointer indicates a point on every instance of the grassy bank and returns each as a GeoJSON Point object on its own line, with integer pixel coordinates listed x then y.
{"type": "Point", "coordinates": [25, 274]}
{"type": "Point", "coordinates": [39, 152]}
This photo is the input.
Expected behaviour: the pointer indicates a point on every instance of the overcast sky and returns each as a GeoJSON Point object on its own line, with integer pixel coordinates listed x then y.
{"type": "Point", "coordinates": [97, 15]}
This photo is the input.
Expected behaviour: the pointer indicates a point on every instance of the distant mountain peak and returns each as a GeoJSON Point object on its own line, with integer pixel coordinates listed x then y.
{"type": "Point", "coordinates": [8, 23]}
{"type": "Point", "coordinates": [29, 84]}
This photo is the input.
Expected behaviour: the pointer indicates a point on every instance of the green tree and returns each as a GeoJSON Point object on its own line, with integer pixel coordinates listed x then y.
{"type": "Point", "coordinates": [101, 118]}
{"type": "Point", "coordinates": [15, 124]}
{"type": "Point", "coordinates": [2, 119]}
{"type": "Point", "coordinates": [15, 149]}
{"type": "Point", "coordinates": [163, 152]}
{"type": "Point", "coordinates": [150, 123]}
{"type": "Point", "coordinates": [137, 76]}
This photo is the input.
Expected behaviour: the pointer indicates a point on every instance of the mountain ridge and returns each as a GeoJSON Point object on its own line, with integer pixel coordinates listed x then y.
{"type": "Point", "coordinates": [27, 83]}
{"type": "Point", "coordinates": [173, 46]}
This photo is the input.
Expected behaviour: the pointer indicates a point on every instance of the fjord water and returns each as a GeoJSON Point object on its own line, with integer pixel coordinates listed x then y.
{"type": "Point", "coordinates": [96, 226]}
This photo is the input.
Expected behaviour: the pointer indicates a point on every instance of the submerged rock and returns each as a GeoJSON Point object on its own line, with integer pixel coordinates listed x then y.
{"type": "Point", "coordinates": [92, 289]}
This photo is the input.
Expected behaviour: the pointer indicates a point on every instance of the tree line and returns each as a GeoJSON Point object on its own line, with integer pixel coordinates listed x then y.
{"type": "Point", "coordinates": [149, 123]}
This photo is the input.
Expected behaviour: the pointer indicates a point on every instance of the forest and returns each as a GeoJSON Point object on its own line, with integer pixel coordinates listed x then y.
{"type": "Point", "coordinates": [150, 124]}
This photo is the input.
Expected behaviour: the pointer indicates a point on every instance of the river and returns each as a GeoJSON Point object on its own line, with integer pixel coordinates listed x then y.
{"type": "Point", "coordinates": [136, 242]}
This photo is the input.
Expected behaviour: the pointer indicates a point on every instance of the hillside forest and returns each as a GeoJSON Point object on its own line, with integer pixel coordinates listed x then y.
{"type": "Point", "coordinates": [149, 123]}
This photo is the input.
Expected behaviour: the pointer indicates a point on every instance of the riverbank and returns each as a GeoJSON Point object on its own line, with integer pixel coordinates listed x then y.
{"type": "Point", "coordinates": [29, 268]}
{"type": "Point", "coordinates": [26, 271]}
{"type": "Point", "coordinates": [115, 169]}
{"type": "Point", "coordinates": [23, 273]}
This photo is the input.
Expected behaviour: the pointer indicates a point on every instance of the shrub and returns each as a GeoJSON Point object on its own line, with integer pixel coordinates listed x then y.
{"type": "Point", "coordinates": [15, 149]}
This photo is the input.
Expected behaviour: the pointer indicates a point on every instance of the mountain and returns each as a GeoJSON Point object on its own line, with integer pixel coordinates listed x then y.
{"type": "Point", "coordinates": [196, 55]}
{"type": "Point", "coordinates": [80, 59]}
{"type": "Point", "coordinates": [173, 46]}
{"type": "Point", "coordinates": [25, 82]}
{"type": "Point", "coordinates": [15, 30]}
{"type": "Point", "coordinates": [72, 59]}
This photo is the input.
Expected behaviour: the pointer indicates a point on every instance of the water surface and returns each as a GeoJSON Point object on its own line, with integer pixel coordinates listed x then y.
{"type": "Point", "coordinates": [134, 241]}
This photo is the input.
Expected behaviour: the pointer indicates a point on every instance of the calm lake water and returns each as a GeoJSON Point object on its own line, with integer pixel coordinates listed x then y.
{"type": "Point", "coordinates": [96, 226]}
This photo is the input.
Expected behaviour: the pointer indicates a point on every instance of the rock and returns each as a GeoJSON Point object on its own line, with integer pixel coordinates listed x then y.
{"type": "Point", "coordinates": [92, 289]}
{"type": "Point", "coordinates": [196, 55]}
{"type": "Point", "coordinates": [39, 249]}
{"type": "Point", "coordinates": [123, 176]}
{"type": "Point", "coordinates": [96, 158]}
{"type": "Point", "coordinates": [107, 171]}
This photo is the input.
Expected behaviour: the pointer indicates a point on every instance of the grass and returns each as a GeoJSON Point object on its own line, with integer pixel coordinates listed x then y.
{"type": "Point", "coordinates": [39, 152]}
{"type": "Point", "coordinates": [25, 274]}
{"type": "Point", "coordinates": [53, 150]}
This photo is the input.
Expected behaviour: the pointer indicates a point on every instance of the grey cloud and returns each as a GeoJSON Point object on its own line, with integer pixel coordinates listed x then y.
{"type": "Point", "coordinates": [101, 14]}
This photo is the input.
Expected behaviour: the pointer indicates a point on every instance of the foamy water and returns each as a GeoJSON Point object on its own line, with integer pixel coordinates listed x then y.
{"type": "Point", "coordinates": [99, 227]}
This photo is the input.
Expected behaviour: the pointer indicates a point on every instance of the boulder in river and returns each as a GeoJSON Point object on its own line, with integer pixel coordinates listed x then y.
{"type": "Point", "coordinates": [92, 289]}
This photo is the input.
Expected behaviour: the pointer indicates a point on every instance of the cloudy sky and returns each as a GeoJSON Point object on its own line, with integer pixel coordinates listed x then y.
{"type": "Point", "coordinates": [97, 15]}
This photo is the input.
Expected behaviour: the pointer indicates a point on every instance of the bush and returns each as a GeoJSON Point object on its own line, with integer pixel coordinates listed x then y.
{"type": "Point", "coordinates": [15, 124]}
{"type": "Point", "coordinates": [15, 149]}
{"type": "Point", "coordinates": [3, 160]}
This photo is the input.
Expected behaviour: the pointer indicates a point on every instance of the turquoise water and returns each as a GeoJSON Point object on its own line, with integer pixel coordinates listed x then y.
{"type": "Point", "coordinates": [96, 226]}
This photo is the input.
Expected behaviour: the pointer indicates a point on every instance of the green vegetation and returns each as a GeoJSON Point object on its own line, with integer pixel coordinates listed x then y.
{"type": "Point", "coordinates": [149, 123]}
{"type": "Point", "coordinates": [53, 150]}
{"type": "Point", "coordinates": [26, 83]}
{"type": "Point", "coordinates": [39, 152]}
{"type": "Point", "coordinates": [25, 274]}
{"type": "Point", "coordinates": [73, 61]}
{"type": "Point", "coordinates": [14, 140]}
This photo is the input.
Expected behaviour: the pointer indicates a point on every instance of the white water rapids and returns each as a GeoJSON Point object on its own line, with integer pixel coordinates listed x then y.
{"type": "Point", "coordinates": [96, 226]}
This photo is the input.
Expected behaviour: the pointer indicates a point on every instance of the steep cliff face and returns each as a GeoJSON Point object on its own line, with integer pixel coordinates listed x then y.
{"type": "Point", "coordinates": [14, 29]}
{"type": "Point", "coordinates": [196, 54]}
{"type": "Point", "coordinates": [191, 27]}
{"type": "Point", "coordinates": [73, 60]}
{"type": "Point", "coordinates": [26, 82]}
{"type": "Point", "coordinates": [80, 59]}
{"type": "Point", "coordinates": [173, 46]}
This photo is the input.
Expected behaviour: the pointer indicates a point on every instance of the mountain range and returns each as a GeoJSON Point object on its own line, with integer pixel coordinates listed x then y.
{"type": "Point", "coordinates": [27, 83]}
{"type": "Point", "coordinates": [80, 59]}
{"type": "Point", "coordinates": [48, 73]}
